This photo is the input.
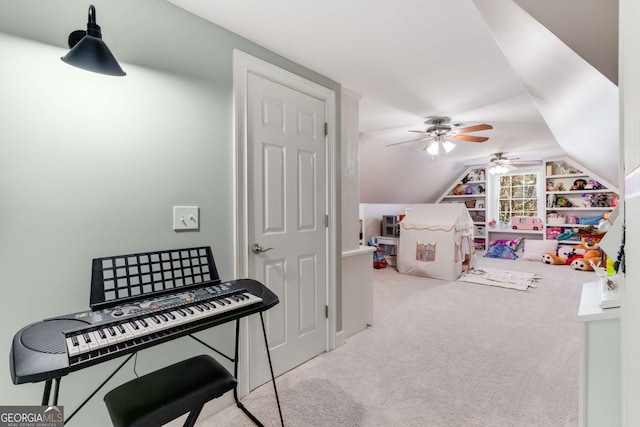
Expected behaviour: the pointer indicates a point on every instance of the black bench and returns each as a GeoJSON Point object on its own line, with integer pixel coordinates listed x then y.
{"type": "Point", "coordinates": [164, 395]}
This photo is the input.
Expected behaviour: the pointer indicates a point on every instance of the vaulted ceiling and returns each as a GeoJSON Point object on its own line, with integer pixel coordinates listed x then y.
{"type": "Point", "coordinates": [543, 73]}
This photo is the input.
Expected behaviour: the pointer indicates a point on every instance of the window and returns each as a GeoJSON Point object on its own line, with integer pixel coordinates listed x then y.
{"type": "Point", "coordinates": [517, 196]}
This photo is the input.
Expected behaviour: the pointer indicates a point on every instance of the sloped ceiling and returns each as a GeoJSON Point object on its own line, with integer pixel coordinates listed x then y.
{"type": "Point", "coordinates": [592, 31]}
{"type": "Point", "coordinates": [577, 102]}
{"type": "Point", "coordinates": [416, 59]}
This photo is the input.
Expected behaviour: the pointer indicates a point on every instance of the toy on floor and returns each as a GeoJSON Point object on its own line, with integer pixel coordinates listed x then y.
{"type": "Point", "coordinates": [378, 255]}
{"type": "Point", "coordinates": [591, 257]}
{"type": "Point", "coordinates": [553, 259]}
{"type": "Point", "coordinates": [566, 255]}
{"type": "Point", "coordinates": [578, 257]}
{"type": "Point", "coordinates": [504, 249]}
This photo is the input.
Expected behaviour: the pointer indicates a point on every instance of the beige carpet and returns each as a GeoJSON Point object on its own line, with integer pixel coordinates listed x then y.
{"type": "Point", "coordinates": [443, 354]}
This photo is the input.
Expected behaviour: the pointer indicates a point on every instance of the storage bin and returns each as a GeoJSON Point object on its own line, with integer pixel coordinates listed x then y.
{"type": "Point", "coordinates": [559, 220]}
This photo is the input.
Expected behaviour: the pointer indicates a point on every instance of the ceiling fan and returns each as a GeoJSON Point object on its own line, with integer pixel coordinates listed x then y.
{"type": "Point", "coordinates": [500, 164]}
{"type": "Point", "coordinates": [440, 133]}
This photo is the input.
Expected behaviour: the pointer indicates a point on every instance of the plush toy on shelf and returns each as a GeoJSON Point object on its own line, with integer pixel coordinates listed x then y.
{"type": "Point", "coordinates": [600, 201]}
{"type": "Point", "coordinates": [579, 184]}
{"type": "Point", "coordinates": [563, 202]}
{"type": "Point", "coordinates": [458, 190]}
{"type": "Point", "coordinates": [587, 200]}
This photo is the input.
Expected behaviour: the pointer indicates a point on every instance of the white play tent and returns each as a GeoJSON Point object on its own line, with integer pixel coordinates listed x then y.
{"type": "Point", "coordinates": [435, 240]}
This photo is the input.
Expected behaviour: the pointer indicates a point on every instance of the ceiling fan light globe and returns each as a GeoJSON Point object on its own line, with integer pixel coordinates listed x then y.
{"type": "Point", "coordinates": [433, 148]}
{"type": "Point", "coordinates": [448, 146]}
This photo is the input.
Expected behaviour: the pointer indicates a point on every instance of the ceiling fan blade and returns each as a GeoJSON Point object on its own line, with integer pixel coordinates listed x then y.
{"type": "Point", "coordinates": [419, 131]}
{"type": "Point", "coordinates": [475, 128]}
{"type": "Point", "coordinates": [468, 138]}
{"type": "Point", "coordinates": [411, 140]}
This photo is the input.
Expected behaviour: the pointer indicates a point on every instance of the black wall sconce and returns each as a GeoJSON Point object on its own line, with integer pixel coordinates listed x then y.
{"type": "Point", "coordinates": [89, 52]}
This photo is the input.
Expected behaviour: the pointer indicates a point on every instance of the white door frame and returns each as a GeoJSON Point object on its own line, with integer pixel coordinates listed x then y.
{"type": "Point", "coordinates": [243, 65]}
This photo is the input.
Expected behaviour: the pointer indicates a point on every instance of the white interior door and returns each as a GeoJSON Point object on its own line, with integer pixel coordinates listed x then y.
{"type": "Point", "coordinates": [287, 201]}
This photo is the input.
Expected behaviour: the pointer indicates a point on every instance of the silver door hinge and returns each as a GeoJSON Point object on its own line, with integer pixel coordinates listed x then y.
{"type": "Point", "coordinates": [326, 311]}
{"type": "Point", "coordinates": [326, 129]}
{"type": "Point", "coordinates": [326, 220]}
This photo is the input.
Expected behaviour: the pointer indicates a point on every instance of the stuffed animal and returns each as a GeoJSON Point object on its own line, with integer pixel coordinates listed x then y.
{"type": "Point", "coordinates": [550, 186]}
{"type": "Point", "coordinates": [579, 184]}
{"type": "Point", "coordinates": [592, 254]}
{"type": "Point", "coordinates": [458, 190]}
{"type": "Point", "coordinates": [560, 187]}
{"type": "Point", "coordinates": [552, 259]}
{"type": "Point", "coordinates": [566, 254]}
{"type": "Point", "coordinates": [600, 201]}
{"type": "Point", "coordinates": [587, 200]}
{"type": "Point", "coordinates": [563, 202]}
{"type": "Point", "coordinates": [584, 264]}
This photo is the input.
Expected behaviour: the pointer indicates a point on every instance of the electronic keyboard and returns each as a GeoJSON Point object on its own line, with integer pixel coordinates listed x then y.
{"type": "Point", "coordinates": [55, 347]}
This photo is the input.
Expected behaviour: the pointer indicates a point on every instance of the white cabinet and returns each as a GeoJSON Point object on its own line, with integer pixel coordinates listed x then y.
{"type": "Point", "coordinates": [357, 291]}
{"type": "Point", "coordinates": [600, 365]}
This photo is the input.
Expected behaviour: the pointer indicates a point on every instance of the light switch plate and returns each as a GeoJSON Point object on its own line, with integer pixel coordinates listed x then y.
{"type": "Point", "coordinates": [186, 218]}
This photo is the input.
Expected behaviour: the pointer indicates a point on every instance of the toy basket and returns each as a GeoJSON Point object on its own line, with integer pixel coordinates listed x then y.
{"type": "Point", "coordinates": [556, 219]}
{"type": "Point", "coordinates": [561, 220]}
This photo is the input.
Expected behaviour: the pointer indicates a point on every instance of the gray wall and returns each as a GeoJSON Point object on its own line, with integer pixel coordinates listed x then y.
{"type": "Point", "coordinates": [91, 165]}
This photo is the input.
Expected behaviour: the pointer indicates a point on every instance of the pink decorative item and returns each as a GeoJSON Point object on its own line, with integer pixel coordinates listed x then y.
{"type": "Point", "coordinates": [526, 223]}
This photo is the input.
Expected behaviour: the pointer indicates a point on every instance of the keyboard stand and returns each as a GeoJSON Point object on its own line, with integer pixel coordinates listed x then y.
{"type": "Point", "coordinates": [49, 400]}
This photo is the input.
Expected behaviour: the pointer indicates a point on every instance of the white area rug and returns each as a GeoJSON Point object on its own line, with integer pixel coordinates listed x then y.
{"type": "Point", "coordinates": [503, 278]}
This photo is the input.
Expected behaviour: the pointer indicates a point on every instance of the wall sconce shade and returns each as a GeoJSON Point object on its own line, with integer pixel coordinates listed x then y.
{"type": "Point", "coordinates": [89, 52]}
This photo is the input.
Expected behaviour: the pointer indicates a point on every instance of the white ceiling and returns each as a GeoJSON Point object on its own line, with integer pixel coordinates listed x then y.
{"type": "Point", "coordinates": [414, 59]}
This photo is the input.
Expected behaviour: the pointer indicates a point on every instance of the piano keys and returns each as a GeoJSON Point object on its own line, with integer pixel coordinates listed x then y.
{"type": "Point", "coordinates": [145, 327]}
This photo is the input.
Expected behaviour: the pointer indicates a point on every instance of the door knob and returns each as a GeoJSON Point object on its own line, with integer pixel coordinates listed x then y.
{"type": "Point", "coordinates": [257, 248]}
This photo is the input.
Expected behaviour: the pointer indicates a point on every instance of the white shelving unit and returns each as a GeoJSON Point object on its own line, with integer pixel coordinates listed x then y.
{"type": "Point", "coordinates": [470, 189]}
{"type": "Point", "coordinates": [561, 174]}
